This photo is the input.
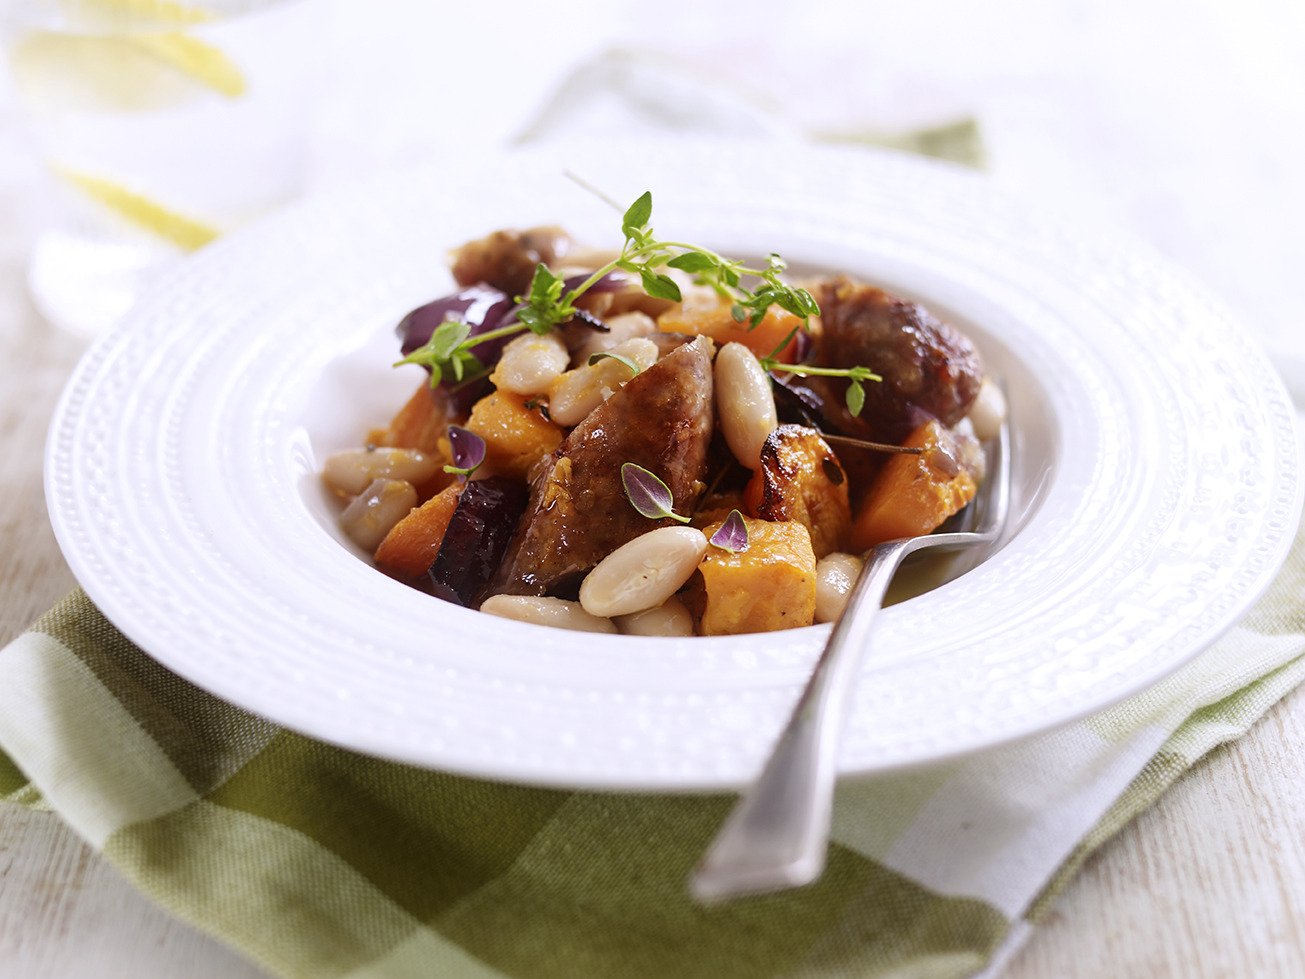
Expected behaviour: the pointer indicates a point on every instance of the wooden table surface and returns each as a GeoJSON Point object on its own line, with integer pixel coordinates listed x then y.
{"type": "Point", "coordinates": [1182, 120]}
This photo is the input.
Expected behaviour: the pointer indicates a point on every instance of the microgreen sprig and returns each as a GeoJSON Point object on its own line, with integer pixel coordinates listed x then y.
{"type": "Point", "coordinates": [856, 376]}
{"type": "Point", "coordinates": [548, 303]}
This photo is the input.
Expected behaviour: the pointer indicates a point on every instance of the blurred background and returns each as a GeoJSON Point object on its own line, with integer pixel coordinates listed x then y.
{"type": "Point", "coordinates": [1181, 121]}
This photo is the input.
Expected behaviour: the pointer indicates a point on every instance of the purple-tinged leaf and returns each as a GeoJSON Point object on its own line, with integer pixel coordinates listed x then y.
{"type": "Point", "coordinates": [648, 494]}
{"type": "Point", "coordinates": [732, 535]}
{"type": "Point", "coordinates": [468, 451]}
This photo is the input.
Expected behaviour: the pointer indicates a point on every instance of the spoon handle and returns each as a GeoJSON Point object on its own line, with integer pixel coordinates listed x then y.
{"type": "Point", "coordinates": [778, 833]}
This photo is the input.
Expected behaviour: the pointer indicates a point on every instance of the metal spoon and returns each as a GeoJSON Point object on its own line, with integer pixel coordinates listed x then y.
{"type": "Point", "coordinates": [778, 833]}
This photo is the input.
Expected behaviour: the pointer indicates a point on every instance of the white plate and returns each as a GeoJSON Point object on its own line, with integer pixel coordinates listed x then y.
{"type": "Point", "coordinates": [1156, 473]}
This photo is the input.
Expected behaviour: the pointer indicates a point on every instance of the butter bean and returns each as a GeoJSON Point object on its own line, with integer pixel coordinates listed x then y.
{"type": "Point", "coordinates": [745, 404]}
{"type": "Point", "coordinates": [352, 471]}
{"type": "Point", "coordinates": [835, 575]}
{"type": "Point", "coordinates": [643, 573]}
{"type": "Point", "coordinates": [988, 411]}
{"type": "Point", "coordinates": [531, 363]}
{"type": "Point", "coordinates": [373, 512]}
{"type": "Point", "coordinates": [580, 391]}
{"type": "Point", "coordinates": [670, 618]}
{"type": "Point", "coordinates": [555, 612]}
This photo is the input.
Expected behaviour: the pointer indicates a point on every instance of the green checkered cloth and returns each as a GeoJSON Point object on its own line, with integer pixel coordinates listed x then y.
{"type": "Point", "coordinates": [316, 861]}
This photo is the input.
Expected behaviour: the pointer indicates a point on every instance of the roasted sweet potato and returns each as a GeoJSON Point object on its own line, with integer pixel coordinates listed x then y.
{"type": "Point", "coordinates": [516, 437]}
{"type": "Point", "coordinates": [801, 479]}
{"type": "Point", "coordinates": [715, 321]}
{"type": "Point", "coordinates": [768, 586]}
{"type": "Point", "coordinates": [913, 494]}
{"type": "Point", "coordinates": [419, 424]}
{"type": "Point", "coordinates": [413, 543]}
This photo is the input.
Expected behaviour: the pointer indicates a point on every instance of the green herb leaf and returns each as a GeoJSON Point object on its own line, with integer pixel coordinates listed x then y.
{"type": "Point", "coordinates": [648, 494]}
{"type": "Point", "coordinates": [855, 397]}
{"type": "Point", "coordinates": [692, 262]}
{"type": "Point", "coordinates": [659, 286]}
{"type": "Point", "coordinates": [605, 355]}
{"type": "Point", "coordinates": [637, 215]}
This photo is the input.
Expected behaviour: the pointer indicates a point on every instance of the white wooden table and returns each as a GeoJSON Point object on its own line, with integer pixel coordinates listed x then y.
{"type": "Point", "coordinates": [1183, 121]}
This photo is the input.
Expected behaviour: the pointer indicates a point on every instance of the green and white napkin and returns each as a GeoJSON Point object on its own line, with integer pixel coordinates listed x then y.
{"type": "Point", "coordinates": [316, 861]}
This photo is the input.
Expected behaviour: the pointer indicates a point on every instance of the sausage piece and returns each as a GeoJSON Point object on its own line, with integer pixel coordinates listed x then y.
{"type": "Point", "coordinates": [928, 368]}
{"type": "Point", "coordinates": [506, 260]}
{"type": "Point", "coordinates": [578, 512]}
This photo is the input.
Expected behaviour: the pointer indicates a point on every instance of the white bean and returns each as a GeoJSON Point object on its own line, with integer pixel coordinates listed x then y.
{"type": "Point", "coordinates": [670, 618]}
{"type": "Point", "coordinates": [835, 575]}
{"type": "Point", "coordinates": [988, 411]}
{"type": "Point", "coordinates": [531, 363]}
{"type": "Point", "coordinates": [376, 510]}
{"type": "Point", "coordinates": [352, 471]}
{"type": "Point", "coordinates": [580, 391]}
{"type": "Point", "coordinates": [626, 326]}
{"type": "Point", "coordinates": [643, 573]}
{"type": "Point", "coordinates": [745, 403]}
{"type": "Point", "coordinates": [555, 612]}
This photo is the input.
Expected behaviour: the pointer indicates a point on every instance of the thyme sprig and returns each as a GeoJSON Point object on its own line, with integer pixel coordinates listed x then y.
{"type": "Point", "coordinates": [548, 303]}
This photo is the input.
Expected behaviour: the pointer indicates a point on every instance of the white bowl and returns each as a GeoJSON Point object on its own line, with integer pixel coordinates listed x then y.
{"type": "Point", "coordinates": [1156, 475]}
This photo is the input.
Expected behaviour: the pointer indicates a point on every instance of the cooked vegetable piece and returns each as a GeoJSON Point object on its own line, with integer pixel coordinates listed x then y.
{"type": "Point", "coordinates": [419, 424]}
{"type": "Point", "coordinates": [913, 494]}
{"type": "Point", "coordinates": [578, 514]}
{"type": "Point", "coordinates": [516, 437]}
{"type": "Point", "coordinates": [409, 549]}
{"type": "Point", "coordinates": [377, 509]}
{"type": "Point", "coordinates": [714, 319]}
{"type": "Point", "coordinates": [926, 365]}
{"type": "Point", "coordinates": [769, 586]}
{"type": "Point", "coordinates": [801, 479]}
{"type": "Point", "coordinates": [476, 538]}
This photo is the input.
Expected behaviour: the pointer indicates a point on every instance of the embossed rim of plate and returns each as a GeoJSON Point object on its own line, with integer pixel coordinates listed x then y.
{"type": "Point", "coordinates": [179, 455]}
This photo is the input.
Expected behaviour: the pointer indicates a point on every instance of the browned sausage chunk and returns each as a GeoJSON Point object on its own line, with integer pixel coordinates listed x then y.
{"type": "Point", "coordinates": [578, 513]}
{"type": "Point", "coordinates": [927, 367]}
{"type": "Point", "coordinates": [506, 260]}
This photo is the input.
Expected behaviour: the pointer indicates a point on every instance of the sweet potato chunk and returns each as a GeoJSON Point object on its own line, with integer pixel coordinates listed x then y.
{"type": "Point", "coordinates": [771, 585]}
{"type": "Point", "coordinates": [413, 543]}
{"type": "Point", "coordinates": [913, 494]}
{"type": "Point", "coordinates": [419, 424]}
{"type": "Point", "coordinates": [801, 479]}
{"type": "Point", "coordinates": [715, 321]}
{"type": "Point", "coordinates": [516, 437]}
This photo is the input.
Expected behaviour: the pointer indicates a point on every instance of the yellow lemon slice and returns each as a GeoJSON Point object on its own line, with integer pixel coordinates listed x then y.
{"type": "Point", "coordinates": [119, 72]}
{"type": "Point", "coordinates": [120, 14]}
{"type": "Point", "coordinates": [184, 232]}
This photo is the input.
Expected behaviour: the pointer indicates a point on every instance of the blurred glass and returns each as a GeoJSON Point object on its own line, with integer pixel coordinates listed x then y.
{"type": "Point", "coordinates": [162, 125]}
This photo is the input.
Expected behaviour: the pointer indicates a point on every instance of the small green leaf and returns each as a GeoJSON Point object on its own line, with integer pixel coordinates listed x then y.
{"type": "Point", "coordinates": [738, 313]}
{"type": "Point", "coordinates": [659, 286]}
{"type": "Point", "coordinates": [604, 355]}
{"type": "Point", "coordinates": [692, 262]}
{"type": "Point", "coordinates": [855, 398]}
{"type": "Point", "coordinates": [637, 216]}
